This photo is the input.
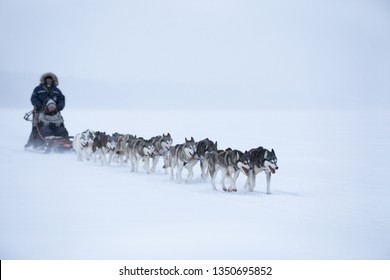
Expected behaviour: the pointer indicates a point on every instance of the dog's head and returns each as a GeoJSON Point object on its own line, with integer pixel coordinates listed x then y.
{"type": "Point", "coordinates": [270, 161]}
{"type": "Point", "coordinates": [86, 138]}
{"type": "Point", "coordinates": [190, 147]}
{"type": "Point", "coordinates": [166, 142]}
{"type": "Point", "coordinates": [148, 148]}
{"type": "Point", "coordinates": [242, 162]}
{"type": "Point", "coordinates": [111, 143]}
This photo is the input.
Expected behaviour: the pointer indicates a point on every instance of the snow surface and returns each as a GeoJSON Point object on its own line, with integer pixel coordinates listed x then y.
{"type": "Point", "coordinates": [330, 195]}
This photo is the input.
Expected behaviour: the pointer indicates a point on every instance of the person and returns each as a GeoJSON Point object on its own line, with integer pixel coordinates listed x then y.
{"type": "Point", "coordinates": [48, 101]}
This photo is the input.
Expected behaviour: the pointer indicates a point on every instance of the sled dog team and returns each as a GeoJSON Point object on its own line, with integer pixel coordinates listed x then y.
{"type": "Point", "coordinates": [130, 148]}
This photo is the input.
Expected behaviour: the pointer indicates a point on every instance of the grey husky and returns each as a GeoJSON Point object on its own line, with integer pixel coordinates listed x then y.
{"type": "Point", "coordinates": [142, 149]}
{"type": "Point", "coordinates": [261, 160]}
{"type": "Point", "coordinates": [203, 149]}
{"type": "Point", "coordinates": [162, 145]}
{"type": "Point", "coordinates": [231, 163]}
{"type": "Point", "coordinates": [183, 155]}
{"type": "Point", "coordinates": [99, 147]}
{"type": "Point", "coordinates": [121, 149]}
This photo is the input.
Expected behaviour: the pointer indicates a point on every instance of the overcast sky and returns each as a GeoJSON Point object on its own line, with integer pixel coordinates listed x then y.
{"type": "Point", "coordinates": [329, 51]}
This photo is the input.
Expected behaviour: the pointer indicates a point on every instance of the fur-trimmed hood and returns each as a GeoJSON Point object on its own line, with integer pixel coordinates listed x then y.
{"type": "Point", "coordinates": [44, 76]}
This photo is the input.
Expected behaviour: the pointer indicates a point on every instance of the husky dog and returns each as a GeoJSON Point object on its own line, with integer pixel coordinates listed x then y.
{"type": "Point", "coordinates": [99, 146]}
{"type": "Point", "coordinates": [121, 149]}
{"type": "Point", "coordinates": [142, 149]}
{"type": "Point", "coordinates": [130, 150]}
{"type": "Point", "coordinates": [82, 144]}
{"type": "Point", "coordinates": [162, 145]}
{"type": "Point", "coordinates": [203, 148]}
{"type": "Point", "coordinates": [110, 146]}
{"type": "Point", "coordinates": [183, 155]}
{"type": "Point", "coordinates": [261, 160]}
{"type": "Point", "coordinates": [230, 162]}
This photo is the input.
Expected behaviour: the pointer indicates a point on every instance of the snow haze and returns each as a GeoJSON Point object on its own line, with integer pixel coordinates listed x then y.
{"type": "Point", "coordinates": [148, 54]}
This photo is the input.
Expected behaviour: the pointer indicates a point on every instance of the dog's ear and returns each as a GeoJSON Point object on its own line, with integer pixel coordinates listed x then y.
{"type": "Point", "coordinates": [186, 139]}
{"type": "Point", "coordinates": [216, 144]}
{"type": "Point", "coordinates": [192, 139]}
{"type": "Point", "coordinates": [273, 151]}
{"type": "Point", "coordinates": [168, 135]}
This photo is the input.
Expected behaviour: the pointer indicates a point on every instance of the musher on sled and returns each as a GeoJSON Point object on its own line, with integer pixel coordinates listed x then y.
{"type": "Point", "coordinates": [48, 101]}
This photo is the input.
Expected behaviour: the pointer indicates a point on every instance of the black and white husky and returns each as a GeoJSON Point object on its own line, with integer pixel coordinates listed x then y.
{"type": "Point", "coordinates": [82, 144]}
{"type": "Point", "coordinates": [203, 149]}
{"type": "Point", "coordinates": [99, 147]}
{"type": "Point", "coordinates": [231, 163]}
{"type": "Point", "coordinates": [121, 149]}
{"type": "Point", "coordinates": [110, 146]}
{"type": "Point", "coordinates": [162, 145]}
{"type": "Point", "coordinates": [141, 150]}
{"type": "Point", "coordinates": [183, 155]}
{"type": "Point", "coordinates": [261, 160]}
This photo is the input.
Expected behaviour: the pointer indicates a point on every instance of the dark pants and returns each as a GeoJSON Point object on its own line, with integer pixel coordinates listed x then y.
{"type": "Point", "coordinates": [37, 137]}
{"type": "Point", "coordinates": [53, 130]}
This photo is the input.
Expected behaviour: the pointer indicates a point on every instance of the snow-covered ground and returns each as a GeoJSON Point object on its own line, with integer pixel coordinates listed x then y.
{"type": "Point", "coordinates": [330, 195]}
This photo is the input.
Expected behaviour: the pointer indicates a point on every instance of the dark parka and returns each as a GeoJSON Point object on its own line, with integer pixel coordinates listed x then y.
{"type": "Point", "coordinates": [42, 94]}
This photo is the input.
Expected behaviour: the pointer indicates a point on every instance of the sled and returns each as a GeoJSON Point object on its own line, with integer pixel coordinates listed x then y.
{"type": "Point", "coordinates": [54, 144]}
{"type": "Point", "coordinates": [49, 143]}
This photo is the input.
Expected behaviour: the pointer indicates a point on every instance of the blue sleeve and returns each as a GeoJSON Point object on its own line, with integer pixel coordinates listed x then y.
{"type": "Point", "coordinates": [35, 101]}
{"type": "Point", "coordinates": [60, 101]}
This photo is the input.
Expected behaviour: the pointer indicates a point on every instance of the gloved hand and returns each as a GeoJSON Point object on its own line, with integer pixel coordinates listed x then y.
{"type": "Point", "coordinates": [39, 108]}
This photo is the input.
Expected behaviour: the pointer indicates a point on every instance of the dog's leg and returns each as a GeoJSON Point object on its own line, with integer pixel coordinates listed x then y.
{"type": "Point", "coordinates": [234, 180]}
{"type": "Point", "coordinates": [171, 176]}
{"type": "Point", "coordinates": [247, 184]}
{"type": "Point", "coordinates": [170, 163]}
{"type": "Point", "coordinates": [120, 156]}
{"type": "Point", "coordinates": [232, 175]}
{"type": "Point", "coordinates": [203, 165]}
{"type": "Point", "coordinates": [127, 155]}
{"type": "Point", "coordinates": [229, 176]}
{"type": "Point", "coordinates": [213, 174]}
{"type": "Point", "coordinates": [268, 174]}
{"type": "Point", "coordinates": [231, 186]}
{"type": "Point", "coordinates": [190, 168]}
{"type": "Point", "coordinates": [136, 163]}
{"type": "Point", "coordinates": [87, 153]}
{"type": "Point", "coordinates": [223, 176]}
{"type": "Point", "coordinates": [146, 164]}
{"type": "Point", "coordinates": [79, 154]}
{"type": "Point", "coordinates": [180, 165]}
{"type": "Point", "coordinates": [104, 156]}
{"type": "Point", "coordinates": [94, 155]}
{"type": "Point", "coordinates": [132, 161]}
{"type": "Point", "coordinates": [206, 168]}
{"type": "Point", "coordinates": [166, 164]}
{"type": "Point", "coordinates": [110, 155]}
{"type": "Point", "coordinates": [253, 180]}
{"type": "Point", "coordinates": [155, 161]}
{"type": "Point", "coordinates": [98, 156]}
